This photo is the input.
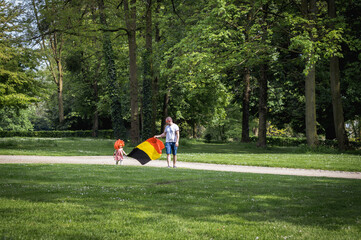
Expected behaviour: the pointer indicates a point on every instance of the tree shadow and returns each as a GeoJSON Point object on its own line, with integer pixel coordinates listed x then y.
{"type": "Point", "coordinates": [330, 204]}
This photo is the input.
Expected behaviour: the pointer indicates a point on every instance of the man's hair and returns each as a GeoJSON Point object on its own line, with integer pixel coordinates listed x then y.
{"type": "Point", "coordinates": [169, 119]}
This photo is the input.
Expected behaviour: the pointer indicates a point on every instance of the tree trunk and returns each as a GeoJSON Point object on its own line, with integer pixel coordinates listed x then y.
{"type": "Point", "coordinates": [148, 88]}
{"type": "Point", "coordinates": [262, 108]}
{"type": "Point", "coordinates": [165, 109]}
{"type": "Point", "coordinates": [56, 48]}
{"type": "Point", "coordinates": [60, 101]}
{"type": "Point", "coordinates": [130, 19]}
{"type": "Point", "coordinates": [310, 93]}
{"type": "Point", "coordinates": [56, 43]}
{"type": "Point", "coordinates": [60, 88]}
{"type": "Point", "coordinates": [309, 9]}
{"type": "Point", "coordinates": [336, 91]}
{"type": "Point", "coordinates": [156, 74]}
{"type": "Point", "coordinates": [95, 127]}
{"type": "Point", "coordinates": [245, 105]}
{"type": "Point", "coordinates": [114, 89]}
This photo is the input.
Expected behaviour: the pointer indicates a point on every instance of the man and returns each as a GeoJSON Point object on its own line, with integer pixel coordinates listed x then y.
{"type": "Point", "coordinates": [171, 132]}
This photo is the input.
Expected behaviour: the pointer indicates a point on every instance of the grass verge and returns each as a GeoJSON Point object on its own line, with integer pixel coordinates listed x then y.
{"type": "Point", "coordinates": [109, 202]}
{"type": "Point", "coordinates": [195, 151]}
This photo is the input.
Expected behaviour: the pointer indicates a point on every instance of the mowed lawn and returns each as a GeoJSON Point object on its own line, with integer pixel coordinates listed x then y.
{"type": "Point", "coordinates": [195, 151]}
{"type": "Point", "coordinates": [67, 201]}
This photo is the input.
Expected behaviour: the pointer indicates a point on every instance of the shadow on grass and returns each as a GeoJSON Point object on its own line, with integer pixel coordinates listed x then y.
{"type": "Point", "coordinates": [146, 195]}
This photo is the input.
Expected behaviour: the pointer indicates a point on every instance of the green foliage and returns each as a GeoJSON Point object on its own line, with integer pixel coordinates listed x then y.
{"type": "Point", "coordinates": [15, 119]}
{"type": "Point", "coordinates": [18, 84]}
{"type": "Point", "coordinates": [58, 134]}
{"type": "Point", "coordinates": [199, 54]}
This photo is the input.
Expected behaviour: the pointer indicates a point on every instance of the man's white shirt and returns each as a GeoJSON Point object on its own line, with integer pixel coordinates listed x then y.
{"type": "Point", "coordinates": [171, 131]}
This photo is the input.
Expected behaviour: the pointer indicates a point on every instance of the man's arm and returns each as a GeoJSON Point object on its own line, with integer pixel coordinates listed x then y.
{"type": "Point", "coordinates": [177, 141]}
{"type": "Point", "coordinates": [161, 135]}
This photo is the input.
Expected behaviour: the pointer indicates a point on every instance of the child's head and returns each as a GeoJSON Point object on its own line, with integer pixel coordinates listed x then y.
{"type": "Point", "coordinates": [118, 144]}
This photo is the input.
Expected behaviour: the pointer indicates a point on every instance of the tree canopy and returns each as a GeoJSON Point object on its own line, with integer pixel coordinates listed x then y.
{"type": "Point", "coordinates": [222, 68]}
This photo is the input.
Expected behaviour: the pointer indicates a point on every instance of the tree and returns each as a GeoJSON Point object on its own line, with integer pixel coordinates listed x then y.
{"type": "Point", "coordinates": [338, 117]}
{"type": "Point", "coordinates": [19, 86]}
{"type": "Point", "coordinates": [113, 83]}
{"type": "Point", "coordinates": [51, 41]}
{"type": "Point", "coordinates": [263, 88]}
{"type": "Point", "coordinates": [148, 89]}
{"type": "Point", "coordinates": [130, 14]}
{"type": "Point", "coordinates": [309, 11]}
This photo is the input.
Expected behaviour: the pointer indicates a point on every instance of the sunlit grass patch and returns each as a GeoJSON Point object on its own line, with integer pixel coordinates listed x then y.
{"type": "Point", "coordinates": [108, 202]}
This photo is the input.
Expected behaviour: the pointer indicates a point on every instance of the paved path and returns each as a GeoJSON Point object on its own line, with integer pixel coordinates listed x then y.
{"type": "Point", "coordinates": [108, 160]}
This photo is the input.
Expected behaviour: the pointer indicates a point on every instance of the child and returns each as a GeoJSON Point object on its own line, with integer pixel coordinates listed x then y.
{"type": "Point", "coordinates": [119, 152]}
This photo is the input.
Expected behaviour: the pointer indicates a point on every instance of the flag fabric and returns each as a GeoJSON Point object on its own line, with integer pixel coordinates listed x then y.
{"type": "Point", "coordinates": [148, 150]}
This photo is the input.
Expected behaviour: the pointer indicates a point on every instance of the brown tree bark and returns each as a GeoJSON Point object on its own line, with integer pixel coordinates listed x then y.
{"type": "Point", "coordinates": [130, 20]}
{"type": "Point", "coordinates": [156, 69]}
{"type": "Point", "coordinates": [310, 94]}
{"type": "Point", "coordinates": [148, 120]}
{"type": "Point", "coordinates": [262, 105]}
{"type": "Point", "coordinates": [309, 10]}
{"type": "Point", "coordinates": [165, 109]}
{"type": "Point", "coordinates": [336, 90]}
{"type": "Point", "coordinates": [59, 81]}
{"type": "Point", "coordinates": [262, 108]}
{"type": "Point", "coordinates": [245, 105]}
{"type": "Point", "coordinates": [95, 127]}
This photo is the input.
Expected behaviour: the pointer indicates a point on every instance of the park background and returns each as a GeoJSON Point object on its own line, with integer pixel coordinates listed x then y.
{"type": "Point", "coordinates": [263, 83]}
{"type": "Point", "coordinates": [224, 70]}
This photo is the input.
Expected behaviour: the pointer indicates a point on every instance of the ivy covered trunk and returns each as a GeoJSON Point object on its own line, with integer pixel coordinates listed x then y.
{"type": "Point", "coordinates": [147, 106]}
{"type": "Point", "coordinates": [114, 89]}
{"type": "Point", "coordinates": [130, 19]}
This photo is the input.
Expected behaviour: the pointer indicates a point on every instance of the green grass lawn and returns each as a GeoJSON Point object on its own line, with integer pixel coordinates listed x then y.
{"type": "Point", "coordinates": [66, 201]}
{"type": "Point", "coordinates": [196, 151]}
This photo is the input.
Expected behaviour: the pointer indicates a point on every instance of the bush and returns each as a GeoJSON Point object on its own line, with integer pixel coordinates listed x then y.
{"type": "Point", "coordinates": [57, 134]}
{"type": "Point", "coordinates": [208, 137]}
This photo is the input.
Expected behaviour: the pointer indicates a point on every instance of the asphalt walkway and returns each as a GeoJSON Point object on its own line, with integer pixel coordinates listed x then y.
{"type": "Point", "coordinates": [108, 160]}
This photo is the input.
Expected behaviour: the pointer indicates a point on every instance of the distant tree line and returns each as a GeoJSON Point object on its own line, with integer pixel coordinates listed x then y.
{"type": "Point", "coordinates": [225, 68]}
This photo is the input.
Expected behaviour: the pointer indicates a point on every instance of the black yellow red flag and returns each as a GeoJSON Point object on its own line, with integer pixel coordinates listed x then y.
{"type": "Point", "coordinates": [150, 149]}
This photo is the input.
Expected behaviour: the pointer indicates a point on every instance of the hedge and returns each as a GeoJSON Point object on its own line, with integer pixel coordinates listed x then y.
{"type": "Point", "coordinates": [294, 142]}
{"type": "Point", "coordinates": [57, 134]}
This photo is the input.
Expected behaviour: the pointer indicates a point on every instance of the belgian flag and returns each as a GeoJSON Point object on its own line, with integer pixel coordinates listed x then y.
{"type": "Point", "coordinates": [148, 150]}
